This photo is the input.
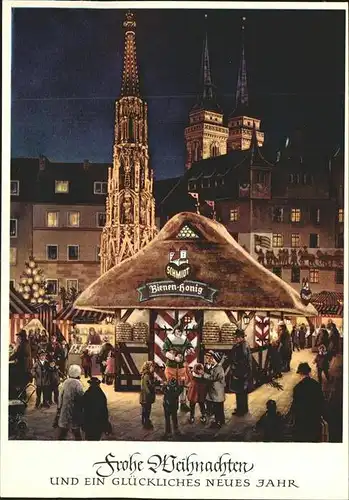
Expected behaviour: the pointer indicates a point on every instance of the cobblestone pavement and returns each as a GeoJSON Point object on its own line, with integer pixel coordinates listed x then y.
{"type": "Point", "coordinates": [124, 410]}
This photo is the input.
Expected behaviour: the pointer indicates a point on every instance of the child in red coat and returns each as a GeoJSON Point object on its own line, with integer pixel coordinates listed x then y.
{"type": "Point", "coordinates": [197, 393]}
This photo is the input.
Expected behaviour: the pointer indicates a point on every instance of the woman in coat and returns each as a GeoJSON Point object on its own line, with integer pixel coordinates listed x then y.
{"type": "Point", "coordinates": [216, 387]}
{"type": "Point", "coordinates": [95, 411]}
{"type": "Point", "coordinates": [69, 411]}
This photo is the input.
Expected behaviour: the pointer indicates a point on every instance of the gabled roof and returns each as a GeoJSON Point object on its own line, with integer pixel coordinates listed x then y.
{"type": "Point", "coordinates": [216, 259]}
{"type": "Point", "coordinates": [18, 304]}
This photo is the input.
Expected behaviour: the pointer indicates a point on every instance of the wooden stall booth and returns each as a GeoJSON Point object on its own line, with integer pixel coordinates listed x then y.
{"type": "Point", "coordinates": [196, 277]}
{"type": "Point", "coordinates": [20, 313]}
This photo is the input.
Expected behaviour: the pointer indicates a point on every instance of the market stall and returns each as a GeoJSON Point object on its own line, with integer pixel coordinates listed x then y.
{"type": "Point", "coordinates": [20, 313]}
{"type": "Point", "coordinates": [329, 306]}
{"type": "Point", "coordinates": [196, 277]}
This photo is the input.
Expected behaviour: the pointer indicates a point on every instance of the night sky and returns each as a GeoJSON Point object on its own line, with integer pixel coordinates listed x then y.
{"type": "Point", "coordinates": [67, 66]}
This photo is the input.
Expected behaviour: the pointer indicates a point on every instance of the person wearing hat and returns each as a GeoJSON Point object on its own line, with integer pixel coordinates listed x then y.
{"type": "Point", "coordinates": [22, 361]}
{"type": "Point", "coordinates": [95, 411]}
{"type": "Point", "coordinates": [69, 411]}
{"type": "Point", "coordinates": [41, 376]}
{"type": "Point", "coordinates": [241, 372]}
{"type": "Point", "coordinates": [285, 346]}
{"type": "Point", "coordinates": [216, 387]}
{"type": "Point", "coordinates": [307, 407]}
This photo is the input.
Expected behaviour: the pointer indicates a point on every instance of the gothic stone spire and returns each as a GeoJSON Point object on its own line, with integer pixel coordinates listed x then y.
{"type": "Point", "coordinates": [130, 79]}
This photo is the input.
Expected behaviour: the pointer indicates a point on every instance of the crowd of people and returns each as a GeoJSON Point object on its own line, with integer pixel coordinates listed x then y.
{"type": "Point", "coordinates": [204, 385]}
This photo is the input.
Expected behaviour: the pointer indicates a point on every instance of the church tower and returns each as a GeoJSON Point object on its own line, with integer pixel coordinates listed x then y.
{"type": "Point", "coordinates": [205, 136]}
{"type": "Point", "coordinates": [241, 121]}
{"type": "Point", "coordinates": [130, 205]}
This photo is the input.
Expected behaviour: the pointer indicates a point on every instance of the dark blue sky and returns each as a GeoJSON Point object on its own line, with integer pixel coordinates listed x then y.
{"type": "Point", "coordinates": [67, 63]}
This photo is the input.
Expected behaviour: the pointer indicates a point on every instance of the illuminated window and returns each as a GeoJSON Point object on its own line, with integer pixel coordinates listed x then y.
{"type": "Point", "coordinates": [51, 252]}
{"type": "Point", "coordinates": [278, 240]}
{"type": "Point", "coordinates": [341, 215]}
{"type": "Point", "coordinates": [295, 240]}
{"type": "Point", "coordinates": [314, 276]}
{"type": "Point", "coordinates": [295, 214]}
{"type": "Point", "coordinates": [186, 233]}
{"type": "Point", "coordinates": [72, 284]}
{"type": "Point", "coordinates": [295, 275]}
{"type": "Point", "coordinates": [313, 240]}
{"type": "Point", "coordinates": [73, 219]}
{"type": "Point", "coordinates": [100, 187]}
{"type": "Point", "coordinates": [340, 276]}
{"type": "Point", "coordinates": [61, 186]}
{"type": "Point", "coordinates": [14, 188]}
{"type": "Point", "coordinates": [195, 151]}
{"type": "Point", "coordinates": [101, 219]}
{"type": "Point", "coordinates": [73, 252]}
{"type": "Point", "coordinates": [51, 287]}
{"type": "Point", "coordinates": [13, 228]}
{"type": "Point", "coordinates": [52, 219]}
{"type": "Point", "coordinates": [13, 256]}
{"type": "Point", "coordinates": [234, 214]}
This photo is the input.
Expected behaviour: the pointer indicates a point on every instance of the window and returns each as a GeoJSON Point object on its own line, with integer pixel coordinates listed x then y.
{"type": "Point", "coordinates": [313, 240]}
{"type": "Point", "coordinates": [214, 150]}
{"type": "Point", "coordinates": [51, 287]}
{"type": "Point", "coordinates": [72, 284]}
{"type": "Point", "coordinates": [73, 219]}
{"type": "Point", "coordinates": [340, 276]}
{"type": "Point", "coordinates": [277, 271]}
{"type": "Point", "coordinates": [261, 177]}
{"type": "Point", "coordinates": [14, 188]}
{"type": "Point", "coordinates": [234, 215]}
{"type": "Point", "coordinates": [13, 256]}
{"type": "Point", "coordinates": [98, 252]}
{"type": "Point", "coordinates": [295, 275]}
{"type": "Point", "coordinates": [340, 215]}
{"type": "Point", "coordinates": [315, 216]}
{"type": "Point", "coordinates": [52, 219]}
{"type": "Point", "coordinates": [205, 183]}
{"type": "Point", "coordinates": [73, 252]}
{"type": "Point", "coordinates": [290, 178]}
{"type": "Point", "coordinates": [295, 240]}
{"type": "Point", "coordinates": [61, 186]}
{"type": "Point", "coordinates": [314, 276]}
{"type": "Point", "coordinates": [51, 252]}
{"type": "Point", "coordinates": [340, 240]}
{"type": "Point", "coordinates": [278, 214]}
{"type": "Point", "coordinates": [295, 214]}
{"type": "Point", "coordinates": [101, 219]}
{"type": "Point", "coordinates": [278, 240]}
{"type": "Point", "coordinates": [13, 228]}
{"type": "Point", "coordinates": [100, 187]}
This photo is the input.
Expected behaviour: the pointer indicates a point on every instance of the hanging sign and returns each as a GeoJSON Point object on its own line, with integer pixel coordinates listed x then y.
{"type": "Point", "coordinates": [179, 285]}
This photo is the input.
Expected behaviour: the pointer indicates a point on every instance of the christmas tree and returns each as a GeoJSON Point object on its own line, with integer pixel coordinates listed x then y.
{"type": "Point", "coordinates": [32, 284]}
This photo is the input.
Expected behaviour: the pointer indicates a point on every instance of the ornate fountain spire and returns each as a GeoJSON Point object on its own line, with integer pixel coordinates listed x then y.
{"type": "Point", "coordinates": [130, 204]}
{"type": "Point", "coordinates": [130, 79]}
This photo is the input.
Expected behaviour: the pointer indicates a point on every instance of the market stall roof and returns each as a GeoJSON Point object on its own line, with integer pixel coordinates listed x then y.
{"type": "Point", "coordinates": [18, 305]}
{"type": "Point", "coordinates": [328, 303]}
{"type": "Point", "coordinates": [233, 279]}
{"type": "Point", "coordinates": [69, 313]}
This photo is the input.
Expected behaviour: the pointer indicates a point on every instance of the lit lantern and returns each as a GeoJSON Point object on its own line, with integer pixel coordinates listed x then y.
{"type": "Point", "coordinates": [35, 272]}
{"type": "Point", "coordinates": [41, 292]}
{"type": "Point", "coordinates": [24, 281]}
{"type": "Point", "coordinates": [37, 279]}
{"type": "Point", "coordinates": [26, 296]}
{"type": "Point", "coordinates": [21, 289]}
{"type": "Point", "coordinates": [28, 271]}
{"type": "Point", "coordinates": [27, 288]}
{"type": "Point", "coordinates": [31, 263]}
{"type": "Point", "coordinates": [35, 286]}
{"type": "Point", "coordinates": [30, 281]}
{"type": "Point", "coordinates": [33, 301]}
{"type": "Point", "coordinates": [40, 300]}
{"type": "Point", "coordinates": [36, 295]}
{"type": "Point", "coordinates": [46, 301]}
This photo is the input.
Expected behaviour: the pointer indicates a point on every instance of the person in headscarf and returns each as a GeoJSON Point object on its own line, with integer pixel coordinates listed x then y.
{"type": "Point", "coordinates": [69, 411]}
{"type": "Point", "coordinates": [95, 412]}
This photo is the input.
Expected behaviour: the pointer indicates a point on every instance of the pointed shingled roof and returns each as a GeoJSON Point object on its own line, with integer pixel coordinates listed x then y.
{"type": "Point", "coordinates": [215, 259]}
{"type": "Point", "coordinates": [130, 78]}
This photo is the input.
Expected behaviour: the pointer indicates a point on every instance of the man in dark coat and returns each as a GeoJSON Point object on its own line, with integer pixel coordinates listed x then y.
{"type": "Point", "coordinates": [333, 341]}
{"type": "Point", "coordinates": [307, 407]}
{"type": "Point", "coordinates": [95, 411]}
{"type": "Point", "coordinates": [41, 374]}
{"type": "Point", "coordinates": [54, 349]}
{"type": "Point", "coordinates": [22, 361]}
{"type": "Point", "coordinates": [241, 372]}
{"type": "Point", "coordinates": [322, 337]}
{"type": "Point", "coordinates": [285, 346]}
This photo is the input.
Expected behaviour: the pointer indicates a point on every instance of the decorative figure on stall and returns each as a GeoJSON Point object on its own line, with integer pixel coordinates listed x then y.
{"type": "Point", "coordinates": [305, 292]}
{"type": "Point", "coordinates": [176, 347]}
{"type": "Point", "coordinates": [271, 257]}
{"type": "Point", "coordinates": [325, 259]}
{"type": "Point", "coordinates": [305, 255]}
{"type": "Point", "coordinates": [294, 258]}
{"type": "Point", "coordinates": [260, 256]}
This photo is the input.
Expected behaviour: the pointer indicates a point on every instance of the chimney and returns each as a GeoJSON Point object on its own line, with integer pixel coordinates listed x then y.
{"type": "Point", "coordinates": [86, 164]}
{"type": "Point", "coordinates": [42, 162]}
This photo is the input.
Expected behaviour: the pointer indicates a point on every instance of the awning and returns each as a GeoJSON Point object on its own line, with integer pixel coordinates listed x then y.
{"type": "Point", "coordinates": [69, 313]}
{"type": "Point", "coordinates": [328, 303]}
{"type": "Point", "coordinates": [18, 305]}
